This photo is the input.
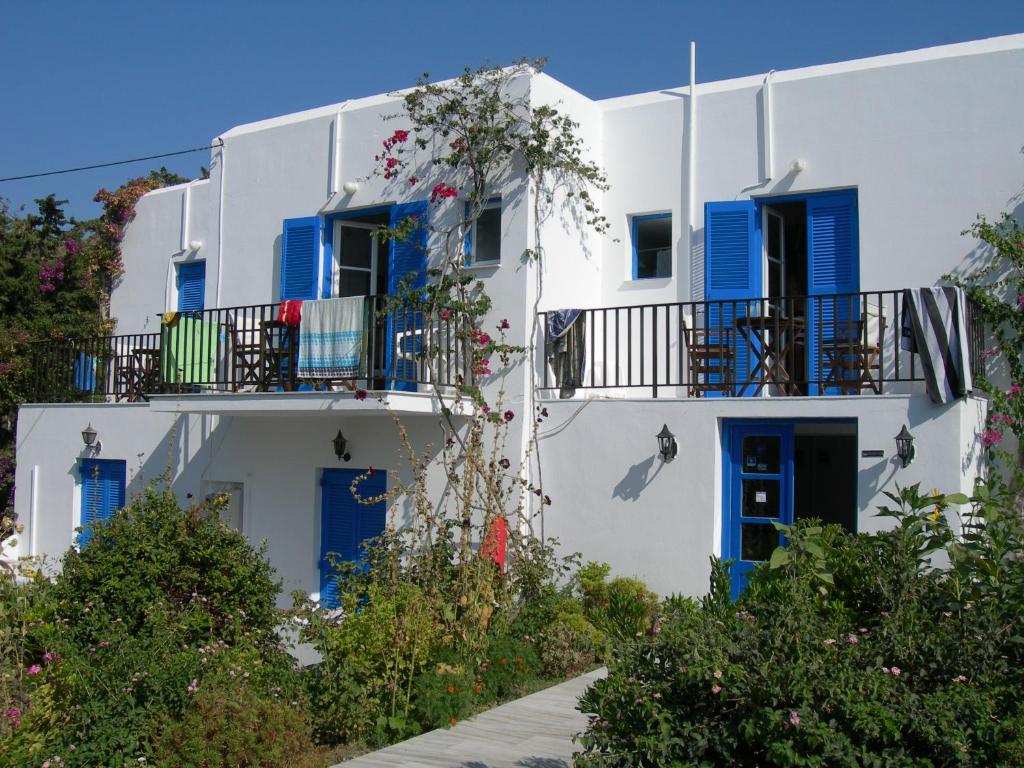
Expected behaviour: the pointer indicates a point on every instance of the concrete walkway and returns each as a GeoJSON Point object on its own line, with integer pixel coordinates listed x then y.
{"type": "Point", "coordinates": [533, 732]}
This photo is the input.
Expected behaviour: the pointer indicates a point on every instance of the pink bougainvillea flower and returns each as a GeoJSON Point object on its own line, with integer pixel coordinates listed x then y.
{"type": "Point", "coordinates": [990, 437]}
{"type": "Point", "coordinates": [504, 325]}
{"type": "Point", "coordinates": [482, 339]}
{"type": "Point", "coordinates": [71, 246]}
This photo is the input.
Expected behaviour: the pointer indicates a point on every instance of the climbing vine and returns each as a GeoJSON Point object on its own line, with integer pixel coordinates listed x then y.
{"type": "Point", "coordinates": [998, 291]}
{"type": "Point", "coordinates": [461, 142]}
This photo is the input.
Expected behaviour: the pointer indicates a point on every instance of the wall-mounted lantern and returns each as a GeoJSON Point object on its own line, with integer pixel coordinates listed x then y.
{"type": "Point", "coordinates": [340, 444]}
{"type": "Point", "coordinates": [905, 446]}
{"type": "Point", "coordinates": [89, 438]}
{"type": "Point", "coordinates": [667, 446]}
{"type": "Point", "coordinates": [350, 187]}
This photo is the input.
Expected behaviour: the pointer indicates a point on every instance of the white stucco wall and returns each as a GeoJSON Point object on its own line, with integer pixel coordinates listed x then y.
{"type": "Point", "coordinates": [614, 500]}
{"type": "Point", "coordinates": [277, 459]}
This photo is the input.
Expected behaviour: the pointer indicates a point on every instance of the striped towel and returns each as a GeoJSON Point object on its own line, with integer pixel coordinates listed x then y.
{"type": "Point", "coordinates": [331, 337]}
{"type": "Point", "coordinates": [933, 325]}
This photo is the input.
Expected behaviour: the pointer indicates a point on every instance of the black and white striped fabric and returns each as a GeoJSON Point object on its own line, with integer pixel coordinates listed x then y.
{"type": "Point", "coordinates": [933, 325]}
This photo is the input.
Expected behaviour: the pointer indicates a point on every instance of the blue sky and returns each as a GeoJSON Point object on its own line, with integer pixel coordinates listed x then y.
{"type": "Point", "coordinates": [91, 82]}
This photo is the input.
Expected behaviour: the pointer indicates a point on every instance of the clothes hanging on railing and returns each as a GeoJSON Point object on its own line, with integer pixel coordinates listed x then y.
{"type": "Point", "coordinates": [933, 325]}
{"type": "Point", "coordinates": [566, 349]}
{"type": "Point", "coordinates": [85, 372]}
{"type": "Point", "coordinates": [188, 351]}
{"type": "Point", "coordinates": [290, 312]}
{"type": "Point", "coordinates": [332, 338]}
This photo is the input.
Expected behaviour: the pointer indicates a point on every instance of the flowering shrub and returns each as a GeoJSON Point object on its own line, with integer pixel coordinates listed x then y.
{"type": "Point", "coordinates": [162, 613]}
{"type": "Point", "coordinates": [851, 651]}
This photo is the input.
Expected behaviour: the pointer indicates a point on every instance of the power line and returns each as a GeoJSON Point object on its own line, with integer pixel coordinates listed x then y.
{"type": "Point", "coordinates": [107, 165]}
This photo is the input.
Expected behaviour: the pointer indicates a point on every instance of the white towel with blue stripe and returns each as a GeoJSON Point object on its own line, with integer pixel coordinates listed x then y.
{"type": "Point", "coordinates": [331, 338]}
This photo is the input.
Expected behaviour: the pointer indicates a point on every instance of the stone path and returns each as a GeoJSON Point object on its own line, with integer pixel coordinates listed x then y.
{"type": "Point", "coordinates": [533, 732]}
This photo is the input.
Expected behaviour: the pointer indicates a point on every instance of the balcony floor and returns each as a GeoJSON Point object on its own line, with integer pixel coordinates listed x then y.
{"type": "Point", "coordinates": [302, 403]}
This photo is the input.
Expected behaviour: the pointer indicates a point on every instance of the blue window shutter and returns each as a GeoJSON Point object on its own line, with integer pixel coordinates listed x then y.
{"type": "Point", "coordinates": [732, 271]}
{"type": "Point", "coordinates": [345, 523]}
{"type": "Point", "coordinates": [103, 489]}
{"type": "Point", "coordinates": [407, 263]}
{"type": "Point", "coordinates": [408, 259]}
{"type": "Point", "coordinates": [191, 285]}
{"type": "Point", "coordinates": [833, 267]}
{"type": "Point", "coordinates": [300, 254]}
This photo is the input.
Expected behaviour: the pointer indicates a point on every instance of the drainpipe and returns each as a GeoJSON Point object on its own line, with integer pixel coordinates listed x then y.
{"type": "Point", "coordinates": [766, 128]}
{"type": "Point", "coordinates": [220, 220]}
{"type": "Point", "coordinates": [691, 162]}
{"type": "Point", "coordinates": [33, 513]}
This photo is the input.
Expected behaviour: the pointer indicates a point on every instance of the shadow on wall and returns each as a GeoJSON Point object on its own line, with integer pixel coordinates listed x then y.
{"type": "Point", "coordinates": [637, 478]}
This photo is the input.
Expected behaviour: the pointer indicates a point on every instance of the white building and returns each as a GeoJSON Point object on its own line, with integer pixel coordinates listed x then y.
{"type": "Point", "coordinates": [748, 295]}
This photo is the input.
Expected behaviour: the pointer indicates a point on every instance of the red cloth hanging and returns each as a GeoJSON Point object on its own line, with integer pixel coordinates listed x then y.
{"type": "Point", "coordinates": [496, 542]}
{"type": "Point", "coordinates": [290, 312]}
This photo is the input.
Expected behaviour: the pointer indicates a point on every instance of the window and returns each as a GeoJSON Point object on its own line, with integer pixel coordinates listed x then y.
{"type": "Point", "coordinates": [652, 246]}
{"type": "Point", "coordinates": [483, 241]}
{"type": "Point", "coordinates": [191, 284]}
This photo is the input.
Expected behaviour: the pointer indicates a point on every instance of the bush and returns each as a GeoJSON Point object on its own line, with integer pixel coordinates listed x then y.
{"type": "Point", "coordinates": [155, 553]}
{"type": "Point", "coordinates": [844, 651]}
{"type": "Point", "coordinates": [116, 651]}
{"type": "Point", "coordinates": [233, 726]}
{"type": "Point", "coordinates": [621, 608]}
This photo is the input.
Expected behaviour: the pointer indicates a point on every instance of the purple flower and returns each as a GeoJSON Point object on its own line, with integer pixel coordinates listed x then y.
{"type": "Point", "coordinates": [71, 246]}
{"type": "Point", "coordinates": [35, 669]}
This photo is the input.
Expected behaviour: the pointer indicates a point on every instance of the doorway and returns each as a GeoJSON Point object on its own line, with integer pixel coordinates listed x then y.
{"type": "Point", "coordinates": [361, 264]}
{"type": "Point", "coordinates": [781, 472]}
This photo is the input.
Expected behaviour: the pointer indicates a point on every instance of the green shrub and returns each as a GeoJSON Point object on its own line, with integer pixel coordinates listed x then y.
{"type": "Point", "coordinates": [232, 726]}
{"type": "Point", "coordinates": [567, 650]}
{"type": "Point", "coordinates": [844, 651]}
{"type": "Point", "coordinates": [621, 608]}
{"type": "Point", "coordinates": [97, 676]}
{"type": "Point", "coordinates": [154, 552]}
{"type": "Point", "coordinates": [446, 694]}
{"type": "Point", "coordinates": [510, 664]}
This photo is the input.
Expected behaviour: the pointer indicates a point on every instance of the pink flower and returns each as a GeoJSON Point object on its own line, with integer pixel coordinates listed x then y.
{"type": "Point", "coordinates": [14, 715]}
{"type": "Point", "coordinates": [412, 180]}
{"type": "Point", "coordinates": [360, 394]}
{"type": "Point", "coordinates": [35, 669]}
{"type": "Point", "coordinates": [504, 325]}
{"type": "Point", "coordinates": [71, 246]}
{"type": "Point", "coordinates": [51, 656]}
{"type": "Point", "coordinates": [442, 191]}
{"type": "Point", "coordinates": [391, 162]}
{"type": "Point", "coordinates": [896, 671]}
{"type": "Point", "coordinates": [1020, 301]}
{"type": "Point", "coordinates": [1014, 390]}
{"type": "Point", "coordinates": [991, 437]}
{"type": "Point", "coordinates": [509, 416]}
{"type": "Point", "coordinates": [716, 689]}
{"type": "Point", "coordinates": [486, 409]}
{"type": "Point", "coordinates": [794, 717]}
{"type": "Point", "coordinates": [445, 314]}
{"type": "Point", "coordinates": [482, 339]}
{"type": "Point", "coordinates": [853, 639]}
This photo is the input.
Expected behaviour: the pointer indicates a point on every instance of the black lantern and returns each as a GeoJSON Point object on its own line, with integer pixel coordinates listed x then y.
{"type": "Point", "coordinates": [340, 443]}
{"type": "Point", "coordinates": [89, 436]}
{"type": "Point", "coordinates": [905, 446]}
{"type": "Point", "coordinates": [667, 446]}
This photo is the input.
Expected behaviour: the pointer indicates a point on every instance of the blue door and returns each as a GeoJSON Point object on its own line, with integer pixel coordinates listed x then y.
{"type": "Point", "coordinates": [345, 522]}
{"type": "Point", "coordinates": [103, 486]}
{"type": "Point", "coordinates": [758, 492]}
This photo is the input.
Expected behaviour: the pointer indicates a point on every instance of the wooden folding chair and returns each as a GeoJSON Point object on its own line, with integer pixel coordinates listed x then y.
{"type": "Point", "coordinates": [710, 361]}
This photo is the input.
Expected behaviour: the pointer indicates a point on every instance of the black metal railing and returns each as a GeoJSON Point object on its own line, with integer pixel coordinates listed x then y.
{"type": "Point", "coordinates": [248, 348]}
{"type": "Point", "coordinates": [806, 345]}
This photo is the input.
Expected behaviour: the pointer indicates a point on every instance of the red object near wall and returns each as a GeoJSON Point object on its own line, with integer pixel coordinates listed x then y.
{"type": "Point", "coordinates": [290, 312]}
{"type": "Point", "coordinates": [495, 544]}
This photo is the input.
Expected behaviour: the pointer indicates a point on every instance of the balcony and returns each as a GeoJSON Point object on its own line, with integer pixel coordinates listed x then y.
{"type": "Point", "coordinates": [248, 350]}
{"type": "Point", "coordinates": [842, 344]}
